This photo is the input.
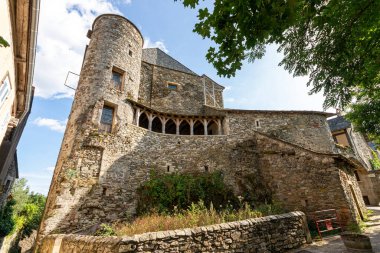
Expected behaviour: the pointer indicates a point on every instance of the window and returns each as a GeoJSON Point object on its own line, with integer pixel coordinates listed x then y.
{"type": "Point", "coordinates": [357, 175]}
{"type": "Point", "coordinates": [172, 86]}
{"type": "Point", "coordinates": [117, 79]}
{"type": "Point", "coordinates": [4, 91]}
{"type": "Point", "coordinates": [341, 138]}
{"type": "Point", "coordinates": [107, 119]}
{"type": "Point", "coordinates": [130, 53]}
{"type": "Point", "coordinates": [258, 123]}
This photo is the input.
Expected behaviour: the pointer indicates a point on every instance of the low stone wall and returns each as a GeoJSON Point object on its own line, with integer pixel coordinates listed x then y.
{"type": "Point", "coordinates": [276, 233]}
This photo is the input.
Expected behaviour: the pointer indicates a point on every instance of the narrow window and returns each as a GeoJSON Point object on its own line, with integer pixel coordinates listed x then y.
{"type": "Point", "coordinates": [366, 200]}
{"type": "Point", "coordinates": [357, 175]}
{"type": "Point", "coordinates": [4, 91]}
{"type": "Point", "coordinates": [172, 86]}
{"type": "Point", "coordinates": [258, 123]}
{"type": "Point", "coordinates": [206, 168]}
{"type": "Point", "coordinates": [7, 184]}
{"type": "Point", "coordinates": [130, 53]}
{"type": "Point", "coordinates": [106, 119]}
{"type": "Point", "coordinates": [117, 79]}
{"type": "Point", "coordinates": [168, 168]}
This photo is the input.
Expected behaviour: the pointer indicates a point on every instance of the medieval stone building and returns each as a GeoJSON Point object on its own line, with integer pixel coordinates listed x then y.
{"type": "Point", "coordinates": [139, 109]}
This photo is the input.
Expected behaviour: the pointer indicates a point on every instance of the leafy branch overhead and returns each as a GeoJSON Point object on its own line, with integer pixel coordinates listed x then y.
{"type": "Point", "coordinates": [3, 42]}
{"type": "Point", "coordinates": [336, 42]}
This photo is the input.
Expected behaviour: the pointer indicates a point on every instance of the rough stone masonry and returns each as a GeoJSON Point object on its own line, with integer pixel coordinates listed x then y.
{"type": "Point", "coordinates": [276, 233]}
{"type": "Point", "coordinates": [139, 109]}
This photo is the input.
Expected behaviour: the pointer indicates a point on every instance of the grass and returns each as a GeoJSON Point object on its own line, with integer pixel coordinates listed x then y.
{"type": "Point", "coordinates": [196, 215]}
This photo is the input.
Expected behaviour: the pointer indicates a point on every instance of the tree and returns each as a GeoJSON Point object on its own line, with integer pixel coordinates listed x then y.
{"type": "Point", "coordinates": [3, 42]}
{"type": "Point", "coordinates": [6, 221]}
{"type": "Point", "coordinates": [23, 213]}
{"type": "Point", "coordinates": [335, 42]}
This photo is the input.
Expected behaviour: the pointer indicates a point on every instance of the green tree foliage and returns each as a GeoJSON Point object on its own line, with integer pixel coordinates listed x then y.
{"type": "Point", "coordinates": [365, 115]}
{"type": "Point", "coordinates": [6, 221]}
{"type": "Point", "coordinates": [22, 214]}
{"type": "Point", "coordinates": [3, 42]}
{"type": "Point", "coordinates": [170, 192]}
{"type": "Point", "coordinates": [336, 43]}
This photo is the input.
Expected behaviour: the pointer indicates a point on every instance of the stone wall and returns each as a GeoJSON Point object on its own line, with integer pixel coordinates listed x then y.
{"type": "Point", "coordinates": [187, 99]}
{"type": "Point", "coordinates": [368, 186]}
{"type": "Point", "coordinates": [360, 147]}
{"type": "Point", "coordinates": [307, 129]}
{"type": "Point", "coordinates": [375, 179]}
{"type": "Point", "coordinates": [99, 184]}
{"type": "Point", "coordinates": [277, 233]}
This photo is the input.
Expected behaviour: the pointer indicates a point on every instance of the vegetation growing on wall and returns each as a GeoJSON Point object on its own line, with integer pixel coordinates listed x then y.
{"type": "Point", "coordinates": [175, 201]}
{"type": "Point", "coordinates": [196, 215]}
{"type": "Point", "coordinates": [166, 193]}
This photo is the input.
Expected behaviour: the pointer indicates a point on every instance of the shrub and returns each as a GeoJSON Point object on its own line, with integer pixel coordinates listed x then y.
{"type": "Point", "coordinates": [105, 230]}
{"type": "Point", "coordinates": [166, 193]}
{"type": "Point", "coordinates": [375, 161]}
{"type": "Point", "coordinates": [6, 222]}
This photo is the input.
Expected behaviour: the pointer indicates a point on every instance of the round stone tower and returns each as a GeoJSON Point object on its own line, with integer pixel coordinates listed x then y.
{"type": "Point", "coordinates": [109, 76]}
{"type": "Point", "coordinates": [114, 52]}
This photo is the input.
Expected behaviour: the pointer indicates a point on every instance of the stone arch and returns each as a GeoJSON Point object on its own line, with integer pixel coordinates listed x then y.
{"type": "Point", "coordinates": [157, 125]}
{"type": "Point", "coordinates": [144, 121]}
{"type": "Point", "coordinates": [184, 128]}
{"type": "Point", "coordinates": [212, 128]}
{"type": "Point", "coordinates": [170, 127]}
{"type": "Point", "coordinates": [199, 128]}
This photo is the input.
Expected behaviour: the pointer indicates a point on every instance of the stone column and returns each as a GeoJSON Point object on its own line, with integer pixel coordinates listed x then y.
{"type": "Point", "coordinates": [219, 127]}
{"type": "Point", "coordinates": [205, 123]}
{"type": "Point", "coordinates": [191, 122]}
{"type": "Point", "coordinates": [177, 123]}
{"type": "Point", "coordinates": [150, 118]}
{"type": "Point", "coordinates": [137, 116]}
{"type": "Point", "coordinates": [163, 122]}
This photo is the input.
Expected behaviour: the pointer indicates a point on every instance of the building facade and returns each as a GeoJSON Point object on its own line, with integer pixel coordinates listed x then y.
{"type": "Point", "coordinates": [353, 143]}
{"type": "Point", "coordinates": [137, 110]}
{"type": "Point", "coordinates": [19, 20]}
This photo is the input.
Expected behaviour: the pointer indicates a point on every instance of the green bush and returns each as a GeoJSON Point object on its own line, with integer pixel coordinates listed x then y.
{"type": "Point", "coordinates": [7, 224]}
{"type": "Point", "coordinates": [375, 161]}
{"type": "Point", "coordinates": [165, 193]}
{"type": "Point", "coordinates": [105, 230]}
{"type": "Point", "coordinates": [22, 214]}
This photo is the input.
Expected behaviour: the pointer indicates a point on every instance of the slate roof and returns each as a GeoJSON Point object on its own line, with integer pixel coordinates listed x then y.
{"type": "Point", "coordinates": [338, 123]}
{"type": "Point", "coordinates": [158, 57]}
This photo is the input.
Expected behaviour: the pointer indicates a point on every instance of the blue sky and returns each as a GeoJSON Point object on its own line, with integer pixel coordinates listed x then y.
{"type": "Point", "coordinates": [163, 23]}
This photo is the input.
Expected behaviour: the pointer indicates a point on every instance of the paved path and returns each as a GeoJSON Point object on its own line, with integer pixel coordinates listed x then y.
{"type": "Point", "coordinates": [335, 245]}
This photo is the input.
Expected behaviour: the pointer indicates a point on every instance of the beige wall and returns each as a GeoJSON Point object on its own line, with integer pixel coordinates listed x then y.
{"type": "Point", "coordinates": [6, 68]}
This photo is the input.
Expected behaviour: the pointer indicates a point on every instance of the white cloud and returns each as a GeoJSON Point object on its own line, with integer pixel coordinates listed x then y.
{"type": "Point", "coordinates": [52, 124]}
{"type": "Point", "coordinates": [62, 39]}
{"type": "Point", "coordinates": [38, 182]}
{"type": "Point", "coordinates": [160, 44]}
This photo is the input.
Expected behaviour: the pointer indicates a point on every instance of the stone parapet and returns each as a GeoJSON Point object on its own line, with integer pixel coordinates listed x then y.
{"type": "Point", "coordinates": [276, 233]}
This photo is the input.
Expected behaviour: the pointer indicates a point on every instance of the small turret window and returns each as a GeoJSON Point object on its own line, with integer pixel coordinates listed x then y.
{"type": "Point", "coordinates": [117, 78]}
{"type": "Point", "coordinates": [106, 119]}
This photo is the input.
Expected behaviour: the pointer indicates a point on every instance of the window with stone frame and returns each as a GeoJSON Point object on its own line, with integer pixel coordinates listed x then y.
{"type": "Point", "coordinates": [106, 119]}
{"type": "Point", "coordinates": [341, 138]}
{"type": "Point", "coordinates": [172, 86]}
{"type": "Point", "coordinates": [117, 79]}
